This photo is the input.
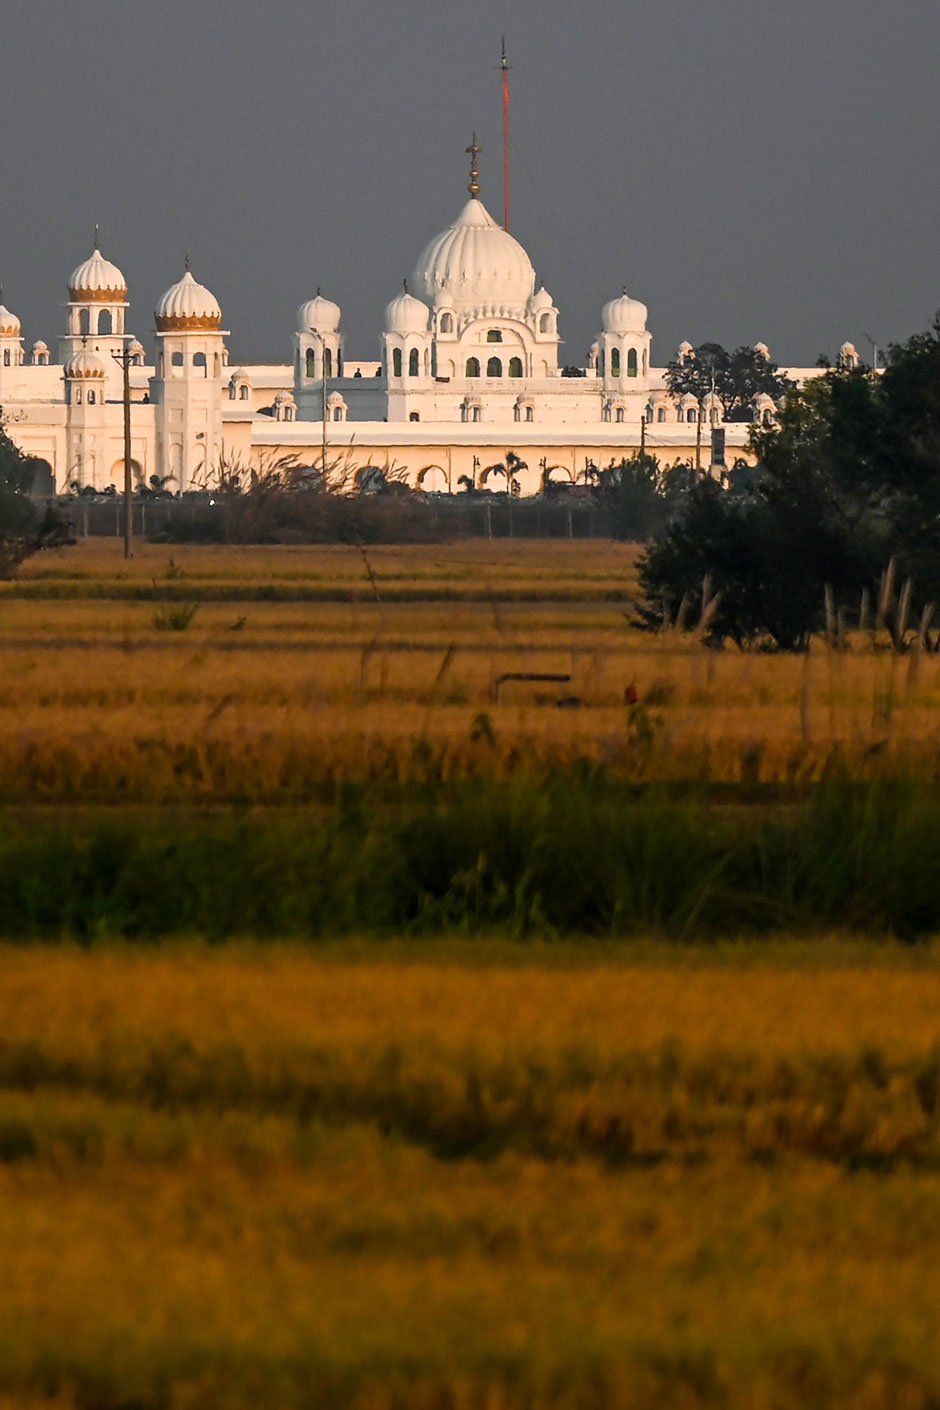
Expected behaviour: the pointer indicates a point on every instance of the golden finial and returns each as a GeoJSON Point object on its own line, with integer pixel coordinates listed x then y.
{"type": "Point", "coordinates": [473, 151]}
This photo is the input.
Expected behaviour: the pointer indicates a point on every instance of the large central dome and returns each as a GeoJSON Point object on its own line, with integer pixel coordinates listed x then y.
{"type": "Point", "coordinates": [476, 266]}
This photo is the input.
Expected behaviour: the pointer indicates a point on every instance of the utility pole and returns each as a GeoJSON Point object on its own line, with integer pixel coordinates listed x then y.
{"type": "Point", "coordinates": [123, 359]}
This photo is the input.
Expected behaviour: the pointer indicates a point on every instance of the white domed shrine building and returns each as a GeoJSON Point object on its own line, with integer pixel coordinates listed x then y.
{"type": "Point", "coordinates": [468, 370]}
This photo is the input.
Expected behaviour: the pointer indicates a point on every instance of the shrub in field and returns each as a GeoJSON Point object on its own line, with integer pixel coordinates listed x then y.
{"type": "Point", "coordinates": [848, 479]}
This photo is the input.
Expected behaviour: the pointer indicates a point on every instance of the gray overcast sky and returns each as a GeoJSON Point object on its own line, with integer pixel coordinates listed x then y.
{"type": "Point", "coordinates": [750, 169]}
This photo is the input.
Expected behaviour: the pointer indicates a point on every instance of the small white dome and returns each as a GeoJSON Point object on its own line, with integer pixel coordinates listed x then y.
{"type": "Point", "coordinates": [136, 348]}
{"type": "Point", "coordinates": [624, 315]}
{"type": "Point", "coordinates": [39, 346]}
{"type": "Point", "coordinates": [763, 350]}
{"type": "Point", "coordinates": [406, 314]}
{"type": "Point", "coordinates": [541, 301]}
{"type": "Point", "coordinates": [83, 365]}
{"type": "Point", "coordinates": [685, 349]}
{"type": "Point", "coordinates": [848, 350]}
{"type": "Point", "coordinates": [476, 266]}
{"type": "Point", "coordinates": [239, 375]}
{"type": "Point", "coordinates": [9, 323]}
{"type": "Point", "coordinates": [188, 307]}
{"type": "Point", "coordinates": [97, 280]}
{"type": "Point", "coordinates": [318, 315]}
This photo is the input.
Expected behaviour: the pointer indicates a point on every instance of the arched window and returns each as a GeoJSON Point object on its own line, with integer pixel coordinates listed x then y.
{"type": "Point", "coordinates": [661, 413]}
{"type": "Point", "coordinates": [447, 323]}
{"type": "Point", "coordinates": [288, 413]}
{"type": "Point", "coordinates": [515, 367]}
{"type": "Point", "coordinates": [605, 413]}
{"type": "Point", "coordinates": [473, 367]}
{"type": "Point", "coordinates": [615, 362]}
{"type": "Point", "coordinates": [337, 413]}
{"type": "Point", "coordinates": [6, 357]}
{"type": "Point", "coordinates": [327, 362]}
{"type": "Point", "coordinates": [620, 414]}
{"type": "Point", "coordinates": [714, 416]}
{"type": "Point", "coordinates": [311, 362]}
{"type": "Point", "coordinates": [631, 362]}
{"type": "Point", "coordinates": [768, 416]}
{"type": "Point", "coordinates": [243, 392]}
{"type": "Point", "coordinates": [413, 363]}
{"type": "Point", "coordinates": [476, 414]}
{"type": "Point", "coordinates": [517, 413]}
{"type": "Point", "coordinates": [396, 362]}
{"type": "Point", "coordinates": [545, 323]}
{"type": "Point", "coordinates": [232, 392]}
{"type": "Point", "coordinates": [105, 322]}
{"type": "Point", "coordinates": [691, 414]}
{"type": "Point", "coordinates": [84, 322]}
{"type": "Point", "coordinates": [530, 413]}
{"type": "Point", "coordinates": [78, 396]}
{"type": "Point", "coordinates": [199, 363]}
{"type": "Point", "coordinates": [91, 397]}
{"type": "Point", "coordinates": [177, 359]}
{"type": "Point", "coordinates": [494, 336]}
{"type": "Point", "coordinates": [494, 368]}
{"type": "Point", "coordinates": [414, 416]}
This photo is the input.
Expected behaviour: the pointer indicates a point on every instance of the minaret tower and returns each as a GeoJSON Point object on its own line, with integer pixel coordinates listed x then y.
{"type": "Point", "coordinates": [191, 362]}
{"type": "Point", "coordinates": [11, 351]}
{"type": "Point", "coordinates": [96, 309]}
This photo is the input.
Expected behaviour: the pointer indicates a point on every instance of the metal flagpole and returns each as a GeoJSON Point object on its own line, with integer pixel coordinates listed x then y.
{"type": "Point", "coordinates": [505, 72]}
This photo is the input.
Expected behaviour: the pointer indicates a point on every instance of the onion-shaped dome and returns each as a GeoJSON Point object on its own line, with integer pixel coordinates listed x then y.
{"type": "Point", "coordinates": [239, 375]}
{"type": "Point", "coordinates": [84, 365]}
{"type": "Point", "coordinates": [476, 265]}
{"type": "Point", "coordinates": [848, 353]}
{"type": "Point", "coordinates": [136, 348]}
{"type": "Point", "coordinates": [541, 301]}
{"type": "Point", "coordinates": [188, 307]}
{"type": "Point", "coordinates": [406, 314]}
{"type": "Point", "coordinates": [39, 347]}
{"type": "Point", "coordinates": [624, 315]}
{"type": "Point", "coordinates": [9, 323]}
{"type": "Point", "coordinates": [97, 280]}
{"type": "Point", "coordinates": [763, 351]}
{"type": "Point", "coordinates": [685, 350]}
{"type": "Point", "coordinates": [318, 315]}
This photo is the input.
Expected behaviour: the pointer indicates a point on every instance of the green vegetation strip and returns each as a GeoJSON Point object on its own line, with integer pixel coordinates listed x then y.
{"type": "Point", "coordinates": [569, 856]}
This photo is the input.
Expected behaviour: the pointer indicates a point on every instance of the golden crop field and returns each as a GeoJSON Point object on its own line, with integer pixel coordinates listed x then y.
{"type": "Point", "coordinates": [541, 1173]}
{"type": "Point", "coordinates": [211, 672]}
{"type": "Point", "coordinates": [558, 1177]}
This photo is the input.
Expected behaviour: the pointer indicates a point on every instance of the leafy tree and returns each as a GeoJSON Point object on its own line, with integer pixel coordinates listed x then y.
{"type": "Point", "coordinates": [847, 480]}
{"type": "Point", "coordinates": [737, 379]}
{"type": "Point", "coordinates": [632, 493]}
{"type": "Point", "coordinates": [24, 528]}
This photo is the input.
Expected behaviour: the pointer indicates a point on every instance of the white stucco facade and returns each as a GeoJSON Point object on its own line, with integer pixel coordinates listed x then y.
{"type": "Point", "coordinates": [469, 370]}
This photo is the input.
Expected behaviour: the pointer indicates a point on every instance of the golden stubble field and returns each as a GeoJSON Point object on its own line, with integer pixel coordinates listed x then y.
{"type": "Point", "coordinates": [563, 1177]}
{"type": "Point", "coordinates": [210, 672]}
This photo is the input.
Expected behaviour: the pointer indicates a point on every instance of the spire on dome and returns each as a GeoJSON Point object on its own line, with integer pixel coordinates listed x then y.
{"type": "Point", "coordinates": [96, 235]}
{"type": "Point", "coordinates": [473, 151]}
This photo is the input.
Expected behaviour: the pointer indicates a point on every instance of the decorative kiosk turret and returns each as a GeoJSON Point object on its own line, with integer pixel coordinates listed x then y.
{"type": "Point", "coordinates": [623, 359]}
